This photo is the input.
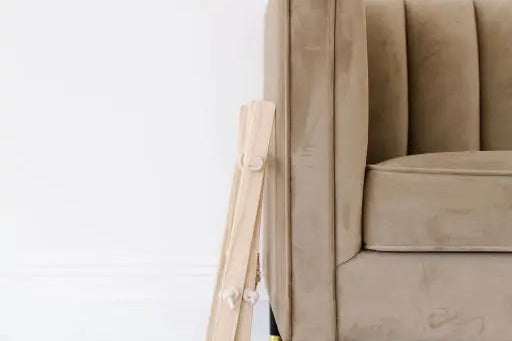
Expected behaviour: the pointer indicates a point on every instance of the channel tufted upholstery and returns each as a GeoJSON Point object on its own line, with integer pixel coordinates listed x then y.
{"type": "Point", "coordinates": [388, 199]}
{"type": "Point", "coordinates": [440, 76]}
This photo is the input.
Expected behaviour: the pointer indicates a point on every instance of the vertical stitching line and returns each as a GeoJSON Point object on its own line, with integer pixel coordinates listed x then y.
{"type": "Point", "coordinates": [332, 46]}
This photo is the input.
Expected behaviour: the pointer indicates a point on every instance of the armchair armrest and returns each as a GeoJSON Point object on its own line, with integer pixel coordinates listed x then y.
{"type": "Point", "coordinates": [316, 72]}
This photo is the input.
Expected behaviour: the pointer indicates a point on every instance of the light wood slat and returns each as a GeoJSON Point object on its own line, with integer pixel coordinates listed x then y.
{"type": "Point", "coordinates": [251, 282]}
{"type": "Point", "coordinates": [238, 266]}
{"type": "Point", "coordinates": [242, 124]}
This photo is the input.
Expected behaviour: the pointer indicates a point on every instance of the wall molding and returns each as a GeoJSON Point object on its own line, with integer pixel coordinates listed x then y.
{"type": "Point", "coordinates": [119, 279]}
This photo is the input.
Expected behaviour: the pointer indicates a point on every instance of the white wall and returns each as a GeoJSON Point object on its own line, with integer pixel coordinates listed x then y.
{"type": "Point", "coordinates": [117, 133]}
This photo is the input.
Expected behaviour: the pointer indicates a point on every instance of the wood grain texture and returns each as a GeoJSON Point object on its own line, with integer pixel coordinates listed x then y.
{"type": "Point", "coordinates": [238, 266]}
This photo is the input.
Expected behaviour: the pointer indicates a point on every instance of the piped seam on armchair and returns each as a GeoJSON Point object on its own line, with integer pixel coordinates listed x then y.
{"type": "Point", "coordinates": [440, 171]}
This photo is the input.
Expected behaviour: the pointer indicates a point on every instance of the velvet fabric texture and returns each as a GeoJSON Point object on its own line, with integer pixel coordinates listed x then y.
{"type": "Point", "coordinates": [394, 118]}
{"type": "Point", "coordinates": [458, 201]}
{"type": "Point", "coordinates": [389, 296]}
{"type": "Point", "coordinates": [317, 71]}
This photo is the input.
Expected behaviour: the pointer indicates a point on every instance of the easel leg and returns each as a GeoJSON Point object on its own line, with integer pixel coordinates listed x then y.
{"type": "Point", "coordinates": [274, 331]}
{"type": "Point", "coordinates": [234, 297]}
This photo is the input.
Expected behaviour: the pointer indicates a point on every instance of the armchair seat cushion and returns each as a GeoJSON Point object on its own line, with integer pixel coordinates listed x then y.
{"type": "Point", "coordinates": [456, 201]}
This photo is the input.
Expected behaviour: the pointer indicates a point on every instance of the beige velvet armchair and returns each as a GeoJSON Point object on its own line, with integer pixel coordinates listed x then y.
{"type": "Point", "coordinates": [388, 201]}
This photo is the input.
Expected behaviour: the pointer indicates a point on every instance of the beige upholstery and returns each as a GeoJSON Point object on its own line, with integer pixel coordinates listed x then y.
{"type": "Point", "coordinates": [386, 296]}
{"type": "Point", "coordinates": [494, 32]}
{"type": "Point", "coordinates": [372, 83]}
{"type": "Point", "coordinates": [314, 47]}
{"type": "Point", "coordinates": [458, 201]}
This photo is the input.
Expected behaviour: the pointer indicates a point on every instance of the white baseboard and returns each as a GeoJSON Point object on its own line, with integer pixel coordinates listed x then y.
{"type": "Point", "coordinates": [114, 301]}
{"type": "Point", "coordinates": [132, 278]}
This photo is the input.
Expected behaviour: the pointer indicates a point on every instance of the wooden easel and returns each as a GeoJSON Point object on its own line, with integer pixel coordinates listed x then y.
{"type": "Point", "coordinates": [238, 275]}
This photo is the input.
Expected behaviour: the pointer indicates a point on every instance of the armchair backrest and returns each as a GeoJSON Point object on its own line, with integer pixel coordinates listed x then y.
{"type": "Point", "coordinates": [440, 76]}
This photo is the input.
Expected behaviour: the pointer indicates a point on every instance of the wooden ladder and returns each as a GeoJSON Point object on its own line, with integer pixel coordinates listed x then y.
{"type": "Point", "coordinates": [238, 274]}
